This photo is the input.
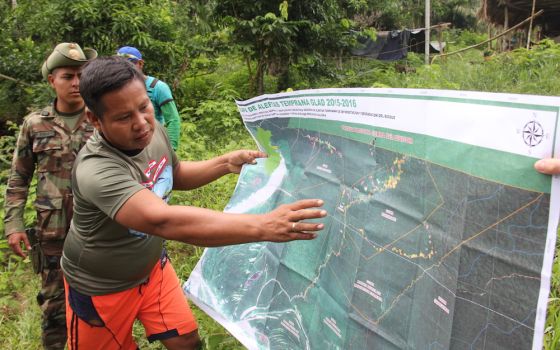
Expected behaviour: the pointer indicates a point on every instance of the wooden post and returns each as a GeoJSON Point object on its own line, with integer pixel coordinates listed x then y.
{"type": "Point", "coordinates": [427, 33]}
{"type": "Point", "coordinates": [489, 36]}
{"type": "Point", "coordinates": [531, 25]}
{"type": "Point", "coordinates": [506, 27]}
{"type": "Point", "coordinates": [440, 39]}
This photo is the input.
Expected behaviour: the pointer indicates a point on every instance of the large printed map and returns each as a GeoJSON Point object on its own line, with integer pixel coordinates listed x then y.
{"type": "Point", "coordinates": [430, 242]}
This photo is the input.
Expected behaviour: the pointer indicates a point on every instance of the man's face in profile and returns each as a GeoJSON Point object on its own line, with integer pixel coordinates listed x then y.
{"type": "Point", "coordinates": [128, 120]}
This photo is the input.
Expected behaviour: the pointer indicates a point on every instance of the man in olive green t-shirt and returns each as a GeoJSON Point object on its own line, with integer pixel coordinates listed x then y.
{"type": "Point", "coordinates": [114, 261]}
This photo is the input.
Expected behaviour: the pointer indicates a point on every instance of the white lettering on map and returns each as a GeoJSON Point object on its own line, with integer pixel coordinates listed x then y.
{"type": "Point", "coordinates": [324, 168]}
{"type": "Point", "coordinates": [388, 214]}
{"type": "Point", "coordinates": [331, 323]}
{"type": "Point", "coordinates": [289, 325]}
{"type": "Point", "coordinates": [369, 288]}
{"type": "Point", "coordinates": [441, 303]}
{"type": "Point", "coordinates": [380, 134]}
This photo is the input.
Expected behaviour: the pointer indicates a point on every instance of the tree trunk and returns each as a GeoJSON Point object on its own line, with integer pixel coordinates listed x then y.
{"type": "Point", "coordinates": [259, 76]}
{"type": "Point", "coordinates": [284, 80]}
{"type": "Point", "coordinates": [505, 41]}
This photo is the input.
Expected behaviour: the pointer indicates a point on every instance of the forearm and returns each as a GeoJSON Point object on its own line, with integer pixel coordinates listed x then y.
{"type": "Point", "coordinates": [146, 212]}
{"type": "Point", "coordinates": [13, 219]}
{"type": "Point", "coordinates": [17, 191]}
{"type": "Point", "coordinates": [194, 174]}
{"type": "Point", "coordinates": [188, 175]}
{"type": "Point", "coordinates": [208, 228]}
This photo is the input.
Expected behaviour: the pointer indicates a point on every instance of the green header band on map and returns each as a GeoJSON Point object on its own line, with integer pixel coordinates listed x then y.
{"type": "Point", "coordinates": [508, 104]}
{"type": "Point", "coordinates": [514, 170]}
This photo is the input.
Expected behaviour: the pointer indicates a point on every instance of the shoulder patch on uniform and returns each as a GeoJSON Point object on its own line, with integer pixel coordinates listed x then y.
{"type": "Point", "coordinates": [44, 134]}
{"type": "Point", "coordinates": [89, 127]}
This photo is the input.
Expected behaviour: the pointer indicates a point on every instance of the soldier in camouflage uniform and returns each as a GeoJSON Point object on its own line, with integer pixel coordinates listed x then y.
{"type": "Point", "coordinates": [48, 143]}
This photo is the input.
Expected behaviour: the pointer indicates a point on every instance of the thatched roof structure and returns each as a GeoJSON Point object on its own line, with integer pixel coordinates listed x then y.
{"type": "Point", "coordinates": [494, 11]}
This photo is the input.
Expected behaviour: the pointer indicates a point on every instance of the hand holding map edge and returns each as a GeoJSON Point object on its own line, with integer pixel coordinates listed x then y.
{"type": "Point", "coordinates": [549, 166]}
{"type": "Point", "coordinates": [236, 159]}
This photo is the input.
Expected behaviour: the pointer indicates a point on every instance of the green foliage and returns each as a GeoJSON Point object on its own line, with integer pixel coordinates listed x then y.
{"type": "Point", "coordinates": [271, 38]}
{"type": "Point", "coordinates": [462, 38]}
{"type": "Point", "coordinates": [21, 317]}
{"type": "Point", "coordinates": [284, 10]}
{"type": "Point", "coordinates": [7, 147]}
{"type": "Point", "coordinates": [19, 60]}
{"type": "Point", "coordinates": [462, 13]}
{"type": "Point", "coordinates": [303, 29]}
{"type": "Point", "coordinates": [107, 25]}
{"type": "Point", "coordinates": [219, 117]}
{"type": "Point", "coordinates": [19, 324]}
{"type": "Point", "coordinates": [552, 329]}
{"type": "Point", "coordinates": [225, 76]}
{"type": "Point", "coordinates": [524, 71]}
{"type": "Point", "coordinates": [213, 53]}
{"type": "Point", "coordinates": [29, 31]}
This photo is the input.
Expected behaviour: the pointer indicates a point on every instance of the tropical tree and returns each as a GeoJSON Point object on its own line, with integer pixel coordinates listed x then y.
{"type": "Point", "coordinates": [30, 29]}
{"type": "Point", "coordinates": [278, 34]}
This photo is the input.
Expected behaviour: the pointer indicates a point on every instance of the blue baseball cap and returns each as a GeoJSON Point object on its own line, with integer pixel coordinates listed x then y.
{"type": "Point", "coordinates": [130, 53]}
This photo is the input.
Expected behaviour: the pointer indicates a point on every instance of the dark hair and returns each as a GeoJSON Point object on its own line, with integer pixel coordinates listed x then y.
{"type": "Point", "coordinates": [103, 75]}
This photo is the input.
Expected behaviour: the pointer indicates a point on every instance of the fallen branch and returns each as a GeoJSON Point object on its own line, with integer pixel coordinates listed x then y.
{"type": "Point", "coordinates": [13, 79]}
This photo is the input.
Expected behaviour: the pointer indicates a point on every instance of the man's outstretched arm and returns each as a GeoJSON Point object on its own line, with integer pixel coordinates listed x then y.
{"type": "Point", "coordinates": [145, 212]}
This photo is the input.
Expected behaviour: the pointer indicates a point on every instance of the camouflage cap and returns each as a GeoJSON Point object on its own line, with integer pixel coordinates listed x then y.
{"type": "Point", "coordinates": [67, 55]}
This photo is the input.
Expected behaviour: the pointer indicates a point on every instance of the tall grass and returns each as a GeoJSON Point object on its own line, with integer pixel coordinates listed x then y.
{"type": "Point", "coordinates": [535, 71]}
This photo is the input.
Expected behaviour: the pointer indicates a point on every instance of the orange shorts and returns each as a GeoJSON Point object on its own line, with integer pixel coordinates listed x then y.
{"type": "Point", "coordinates": [105, 321]}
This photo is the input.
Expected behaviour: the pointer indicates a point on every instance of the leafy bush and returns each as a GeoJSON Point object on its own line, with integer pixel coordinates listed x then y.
{"type": "Point", "coordinates": [21, 61]}
{"type": "Point", "coordinates": [465, 38]}
{"type": "Point", "coordinates": [534, 71]}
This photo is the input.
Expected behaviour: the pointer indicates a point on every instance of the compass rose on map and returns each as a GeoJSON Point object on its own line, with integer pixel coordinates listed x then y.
{"type": "Point", "coordinates": [533, 133]}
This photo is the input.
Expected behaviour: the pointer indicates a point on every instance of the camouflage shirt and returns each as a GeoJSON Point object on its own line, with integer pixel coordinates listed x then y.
{"type": "Point", "coordinates": [46, 144]}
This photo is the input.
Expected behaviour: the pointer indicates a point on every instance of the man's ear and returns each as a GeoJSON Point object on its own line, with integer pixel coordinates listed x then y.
{"type": "Point", "coordinates": [50, 79]}
{"type": "Point", "coordinates": [93, 119]}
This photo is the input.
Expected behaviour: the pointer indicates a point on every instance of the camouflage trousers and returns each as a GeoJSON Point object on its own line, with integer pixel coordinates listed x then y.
{"type": "Point", "coordinates": [52, 302]}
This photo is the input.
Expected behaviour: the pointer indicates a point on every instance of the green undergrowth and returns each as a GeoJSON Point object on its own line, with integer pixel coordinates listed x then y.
{"type": "Point", "coordinates": [535, 71]}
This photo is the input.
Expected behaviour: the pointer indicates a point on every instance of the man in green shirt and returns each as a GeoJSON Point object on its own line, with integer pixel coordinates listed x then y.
{"type": "Point", "coordinates": [160, 94]}
{"type": "Point", "coordinates": [114, 261]}
{"type": "Point", "coordinates": [48, 143]}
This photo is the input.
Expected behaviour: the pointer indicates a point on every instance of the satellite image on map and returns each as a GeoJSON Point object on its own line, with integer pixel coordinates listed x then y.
{"type": "Point", "coordinates": [414, 255]}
